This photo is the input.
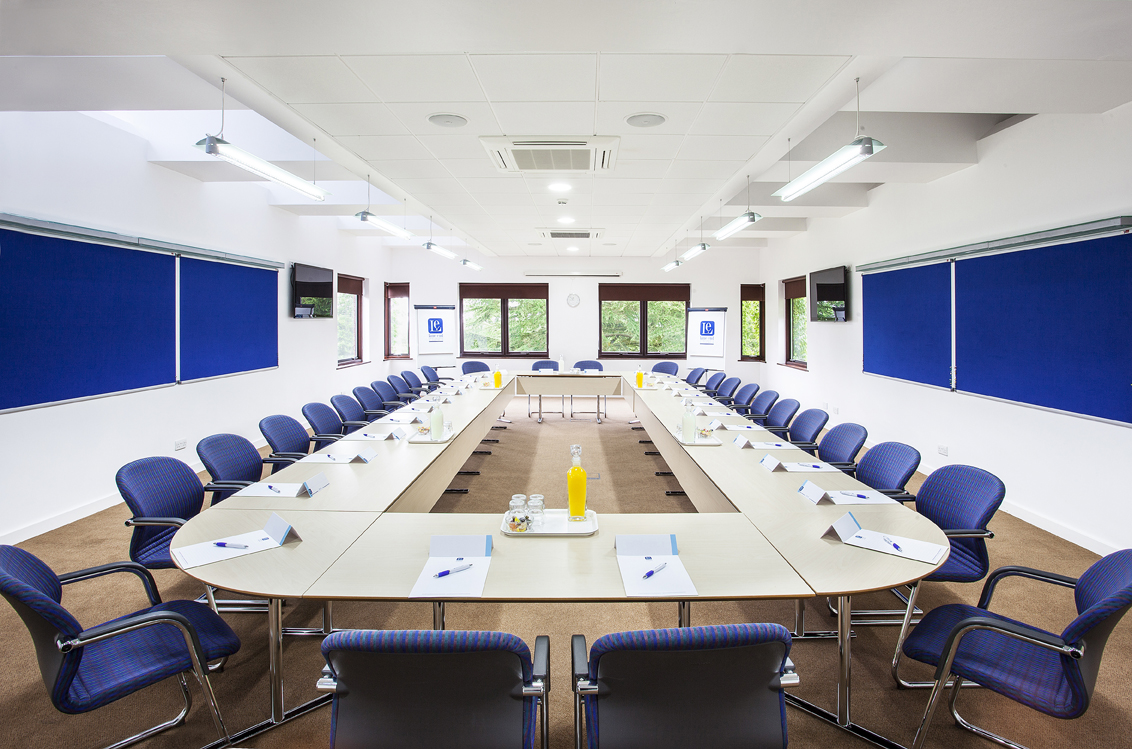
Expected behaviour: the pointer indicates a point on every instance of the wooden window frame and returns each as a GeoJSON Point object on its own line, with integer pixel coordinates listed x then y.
{"type": "Point", "coordinates": [356, 287]}
{"type": "Point", "coordinates": [753, 292]}
{"type": "Point", "coordinates": [643, 293]}
{"type": "Point", "coordinates": [504, 292]}
{"type": "Point", "coordinates": [395, 291]}
{"type": "Point", "coordinates": [793, 288]}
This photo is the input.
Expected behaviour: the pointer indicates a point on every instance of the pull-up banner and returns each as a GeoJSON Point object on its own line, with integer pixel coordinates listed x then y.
{"type": "Point", "coordinates": [436, 328]}
{"type": "Point", "coordinates": [706, 331]}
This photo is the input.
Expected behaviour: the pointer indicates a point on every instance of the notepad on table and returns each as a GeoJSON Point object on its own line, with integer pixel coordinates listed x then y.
{"type": "Point", "coordinates": [640, 554]}
{"type": "Point", "coordinates": [309, 488]}
{"type": "Point", "coordinates": [849, 531]}
{"type": "Point", "coordinates": [439, 578]}
{"type": "Point", "coordinates": [363, 456]}
{"type": "Point", "coordinates": [274, 534]}
{"type": "Point", "coordinates": [817, 495]}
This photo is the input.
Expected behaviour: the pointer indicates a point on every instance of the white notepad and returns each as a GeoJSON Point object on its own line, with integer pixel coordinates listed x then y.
{"type": "Point", "coordinates": [817, 495]}
{"type": "Point", "coordinates": [447, 553]}
{"type": "Point", "coordinates": [308, 488]}
{"type": "Point", "coordinates": [397, 433]}
{"type": "Point", "coordinates": [639, 554]}
{"type": "Point", "coordinates": [273, 535]}
{"type": "Point", "coordinates": [363, 456]}
{"type": "Point", "coordinates": [849, 531]}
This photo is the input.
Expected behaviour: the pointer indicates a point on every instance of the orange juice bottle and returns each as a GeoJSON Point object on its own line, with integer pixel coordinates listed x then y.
{"type": "Point", "coordinates": [498, 378]}
{"type": "Point", "coordinates": [640, 378]}
{"type": "Point", "coordinates": [576, 486]}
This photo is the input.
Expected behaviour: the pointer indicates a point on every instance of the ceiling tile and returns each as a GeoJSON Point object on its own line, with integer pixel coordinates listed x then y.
{"type": "Point", "coordinates": [502, 198]}
{"type": "Point", "coordinates": [680, 115]}
{"type": "Point", "coordinates": [410, 169]}
{"type": "Point", "coordinates": [298, 80]}
{"type": "Point", "coordinates": [768, 78]}
{"type": "Point", "coordinates": [580, 184]}
{"type": "Point", "coordinates": [689, 185]}
{"type": "Point", "coordinates": [742, 119]}
{"type": "Point", "coordinates": [625, 211]}
{"type": "Point", "coordinates": [453, 146]}
{"type": "Point", "coordinates": [671, 77]}
{"type": "Point", "coordinates": [385, 147]}
{"type": "Point", "coordinates": [434, 186]}
{"type": "Point", "coordinates": [481, 167]}
{"type": "Point", "coordinates": [638, 169]}
{"type": "Point", "coordinates": [414, 115]}
{"type": "Point", "coordinates": [720, 148]}
{"type": "Point", "coordinates": [440, 201]}
{"type": "Point", "coordinates": [500, 183]}
{"type": "Point", "coordinates": [537, 77]}
{"type": "Point", "coordinates": [615, 199]}
{"type": "Point", "coordinates": [690, 169]}
{"type": "Point", "coordinates": [353, 118]}
{"type": "Point", "coordinates": [623, 186]}
{"type": "Point", "coordinates": [545, 118]}
{"type": "Point", "coordinates": [649, 146]}
{"type": "Point", "coordinates": [692, 201]}
{"type": "Point", "coordinates": [399, 78]}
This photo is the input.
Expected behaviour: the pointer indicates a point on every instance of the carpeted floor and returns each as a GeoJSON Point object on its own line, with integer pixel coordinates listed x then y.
{"type": "Point", "coordinates": [533, 458]}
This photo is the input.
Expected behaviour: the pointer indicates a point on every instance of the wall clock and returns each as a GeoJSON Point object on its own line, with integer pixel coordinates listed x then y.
{"type": "Point", "coordinates": [573, 300]}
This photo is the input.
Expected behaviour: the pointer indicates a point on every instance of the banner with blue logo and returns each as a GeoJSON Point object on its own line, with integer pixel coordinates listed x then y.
{"type": "Point", "coordinates": [436, 328]}
{"type": "Point", "coordinates": [706, 327]}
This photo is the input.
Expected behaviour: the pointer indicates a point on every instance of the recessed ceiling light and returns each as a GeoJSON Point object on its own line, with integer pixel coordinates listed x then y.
{"type": "Point", "coordinates": [448, 120]}
{"type": "Point", "coordinates": [566, 220]}
{"type": "Point", "coordinates": [559, 187]}
{"type": "Point", "coordinates": [646, 119]}
{"type": "Point", "coordinates": [571, 249]}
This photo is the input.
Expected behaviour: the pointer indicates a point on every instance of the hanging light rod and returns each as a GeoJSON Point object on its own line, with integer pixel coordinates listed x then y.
{"type": "Point", "coordinates": [672, 265]}
{"type": "Point", "coordinates": [434, 247]}
{"type": "Point", "coordinates": [844, 158]}
{"type": "Point", "coordinates": [385, 226]}
{"type": "Point", "coordinates": [470, 264]}
{"type": "Point", "coordinates": [699, 249]}
{"type": "Point", "coordinates": [741, 221]}
{"type": "Point", "coordinates": [215, 145]}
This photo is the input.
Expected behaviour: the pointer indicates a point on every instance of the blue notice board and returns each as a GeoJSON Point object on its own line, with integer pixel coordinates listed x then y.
{"type": "Point", "coordinates": [907, 324]}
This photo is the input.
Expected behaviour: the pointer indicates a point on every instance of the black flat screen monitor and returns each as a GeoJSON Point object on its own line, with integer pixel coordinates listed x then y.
{"type": "Point", "coordinates": [312, 291]}
{"type": "Point", "coordinates": [829, 295]}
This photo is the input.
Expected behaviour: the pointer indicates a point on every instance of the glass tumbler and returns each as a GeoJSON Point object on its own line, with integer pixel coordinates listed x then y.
{"type": "Point", "coordinates": [536, 510]}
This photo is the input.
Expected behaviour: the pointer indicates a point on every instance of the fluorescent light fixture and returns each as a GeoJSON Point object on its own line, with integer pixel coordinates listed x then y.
{"type": "Point", "coordinates": [559, 187]}
{"type": "Point", "coordinates": [842, 159]}
{"type": "Point", "coordinates": [222, 149]}
{"type": "Point", "coordinates": [746, 219]}
{"type": "Point", "coordinates": [566, 220]}
{"type": "Point", "coordinates": [571, 249]}
{"type": "Point", "coordinates": [440, 250]}
{"type": "Point", "coordinates": [470, 264]}
{"type": "Point", "coordinates": [699, 249]}
{"type": "Point", "coordinates": [385, 226]}
{"type": "Point", "coordinates": [672, 266]}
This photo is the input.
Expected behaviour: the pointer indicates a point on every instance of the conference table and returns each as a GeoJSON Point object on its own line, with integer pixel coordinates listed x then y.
{"type": "Point", "coordinates": [366, 535]}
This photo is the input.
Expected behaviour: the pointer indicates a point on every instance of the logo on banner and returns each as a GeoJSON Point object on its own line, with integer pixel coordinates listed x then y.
{"type": "Point", "coordinates": [435, 329]}
{"type": "Point", "coordinates": [707, 332]}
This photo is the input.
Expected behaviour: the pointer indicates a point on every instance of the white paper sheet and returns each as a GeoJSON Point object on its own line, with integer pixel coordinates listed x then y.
{"type": "Point", "coordinates": [447, 552]}
{"type": "Point", "coordinates": [378, 435]}
{"type": "Point", "coordinates": [671, 582]}
{"type": "Point", "coordinates": [909, 548]}
{"type": "Point", "coordinates": [402, 418]}
{"type": "Point", "coordinates": [363, 456]}
{"type": "Point", "coordinates": [270, 489]}
{"type": "Point", "coordinates": [749, 428]}
{"type": "Point", "coordinates": [811, 467]}
{"type": "Point", "coordinates": [273, 535]}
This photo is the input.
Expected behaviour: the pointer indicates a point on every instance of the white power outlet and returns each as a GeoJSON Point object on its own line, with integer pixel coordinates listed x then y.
{"type": "Point", "coordinates": [941, 449]}
{"type": "Point", "coordinates": [180, 444]}
{"type": "Point", "coordinates": [825, 406]}
{"type": "Point", "coordinates": [836, 410]}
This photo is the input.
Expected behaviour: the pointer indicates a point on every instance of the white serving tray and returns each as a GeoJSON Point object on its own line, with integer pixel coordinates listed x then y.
{"type": "Point", "coordinates": [557, 523]}
{"type": "Point", "coordinates": [701, 441]}
{"type": "Point", "coordinates": [422, 439]}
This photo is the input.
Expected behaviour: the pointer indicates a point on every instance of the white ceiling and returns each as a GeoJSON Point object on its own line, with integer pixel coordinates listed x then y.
{"type": "Point", "coordinates": [740, 81]}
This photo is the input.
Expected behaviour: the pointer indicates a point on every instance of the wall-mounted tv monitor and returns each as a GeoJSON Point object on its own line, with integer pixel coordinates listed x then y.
{"type": "Point", "coordinates": [312, 291]}
{"type": "Point", "coordinates": [829, 295]}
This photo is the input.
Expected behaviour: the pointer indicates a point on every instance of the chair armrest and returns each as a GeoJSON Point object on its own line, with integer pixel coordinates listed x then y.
{"type": "Point", "coordinates": [377, 412]}
{"type": "Point", "coordinates": [283, 458]}
{"type": "Point", "coordinates": [1018, 631]}
{"type": "Point", "coordinates": [327, 682]}
{"type": "Point", "coordinates": [540, 674]}
{"type": "Point", "coordinates": [139, 621]}
{"type": "Point", "coordinates": [722, 398]}
{"type": "Point", "coordinates": [849, 467]}
{"type": "Point", "coordinates": [780, 431]}
{"type": "Point", "coordinates": [968, 533]}
{"type": "Point", "coordinates": [226, 486]}
{"type": "Point", "coordinates": [419, 389]}
{"type": "Point", "coordinates": [410, 396]}
{"type": "Point", "coordinates": [1014, 571]}
{"type": "Point", "coordinates": [327, 437]}
{"type": "Point", "coordinates": [394, 404]}
{"type": "Point", "coordinates": [579, 659]}
{"type": "Point", "coordinates": [755, 416]}
{"type": "Point", "coordinates": [171, 522]}
{"type": "Point", "coordinates": [296, 456]}
{"type": "Point", "coordinates": [108, 569]}
{"type": "Point", "coordinates": [789, 676]}
{"type": "Point", "coordinates": [900, 496]}
{"type": "Point", "coordinates": [808, 446]}
{"type": "Point", "coordinates": [356, 423]}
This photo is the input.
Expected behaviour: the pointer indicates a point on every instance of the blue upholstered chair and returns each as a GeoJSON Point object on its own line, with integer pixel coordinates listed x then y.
{"type": "Point", "coordinates": [726, 390]}
{"type": "Point", "coordinates": [404, 392]}
{"type": "Point", "coordinates": [802, 431]}
{"type": "Point", "coordinates": [887, 467]}
{"type": "Point", "coordinates": [840, 445]}
{"type": "Point", "coordinates": [744, 396]}
{"type": "Point", "coordinates": [350, 411]}
{"type": "Point", "coordinates": [1054, 674]}
{"type": "Point", "coordinates": [471, 367]}
{"type": "Point", "coordinates": [543, 364]}
{"type": "Point", "coordinates": [712, 383]}
{"type": "Point", "coordinates": [372, 405]}
{"type": "Point", "coordinates": [780, 414]}
{"type": "Point", "coordinates": [162, 493]}
{"type": "Point", "coordinates": [327, 425]}
{"type": "Point", "coordinates": [694, 375]}
{"type": "Point", "coordinates": [433, 377]}
{"type": "Point", "coordinates": [232, 463]}
{"type": "Point", "coordinates": [435, 688]}
{"type": "Point", "coordinates": [286, 436]}
{"type": "Point", "coordinates": [761, 405]}
{"type": "Point", "coordinates": [415, 384]}
{"type": "Point", "coordinates": [666, 367]}
{"type": "Point", "coordinates": [388, 395]}
{"type": "Point", "coordinates": [589, 364]}
{"type": "Point", "coordinates": [961, 500]}
{"type": "Point", "coordinates": [691, 686]}
{"type": "Point", "coordinates": [86, 668]}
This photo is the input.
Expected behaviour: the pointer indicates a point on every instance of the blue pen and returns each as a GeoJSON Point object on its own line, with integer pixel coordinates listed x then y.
{"type": "Point", "coordinates": [855, 494]}
{"type": "Point", "coordinates": [653, 571]}
{"type": "Point", "coordinates": [227, 545]}
{"type": "Point", "coordinates": [888, 540]}
{"type": "Point", "coordinates": [453, 571]}
{"type": "Point", "coordinates": [272, 488]}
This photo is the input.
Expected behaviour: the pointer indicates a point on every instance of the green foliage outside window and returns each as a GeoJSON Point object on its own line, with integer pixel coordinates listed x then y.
{"type": "Point", "coordinates": [483, 325]}
{"type": "Point", "coordinates": [526, 325]}
{"type": "Point", "coordinates": [621, 327]}
{"type": "Point", "coordinates": [399, 326]}
{"type": "Point", "coordinates": [347, 327]}
{"type": "Point", "coordinates": [322, 305]}
{"type": "Point", "coordinates": [752, 326]}
{"type": "Point", "coordinates": [667, 323]}
{"type": "Point", "coordinates": [797, 329]}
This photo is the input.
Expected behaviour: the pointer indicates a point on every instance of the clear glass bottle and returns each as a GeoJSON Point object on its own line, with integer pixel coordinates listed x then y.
{"type": "Point", "coordinates": [688, 426]}
{"type": "Point", "coordinates": [498, 378]}
{"type": "Point", "coordinates": [576, 486]}
{"type": "Point", "coordinates": [436, 424]}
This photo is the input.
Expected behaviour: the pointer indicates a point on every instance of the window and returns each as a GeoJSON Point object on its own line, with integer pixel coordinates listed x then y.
{"type": "Point", "coordinates": [396, 321]}
{"type": "Point", "coordinates": [349, 302]}
{"type": "Point", "coordinates": [507, 319]}
{"type": "Point", "coordinates": [795, 293]}
{"type": "Point", "coordinates": [751, 297]}
{"type": "Point", "coordinates": [644, 320]}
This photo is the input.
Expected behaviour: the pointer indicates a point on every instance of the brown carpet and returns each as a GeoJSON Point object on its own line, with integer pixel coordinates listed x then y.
{"type": "Point", "coordinates": [530, 458]}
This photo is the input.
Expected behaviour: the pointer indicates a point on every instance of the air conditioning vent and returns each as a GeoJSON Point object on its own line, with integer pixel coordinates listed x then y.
{"type": "Point", "coordinates": [525, 154]}
{"type": "Point", "coordinates": [571, 233]}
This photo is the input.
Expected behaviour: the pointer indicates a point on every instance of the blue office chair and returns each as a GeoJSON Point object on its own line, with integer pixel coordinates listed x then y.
{"type": "Point", "coordinates": [433, 377]}
{"type": "Point", "coordinates": [691, 686]}
{"type": "Point", "coordinates": [761, 405]}
{"type": "Point", "coordinates": [233, 463]}
{"type": "Point", "coordinates": [328, 426]}
{"type": "Point", "coordinates": [162, 493]}
{"type": "Point", "coordinates": [887, 467]}
{"type": "Point", "coordinates": [350, 411]}
{"type": "Point", "coordinates": [741, 402]}
{"type": "Point", "coordinates": [589, 364]}
{"type": "Point", "coordinates": [961, 500]}
{"type": "Point", "coordinates": [404, 392]}
{"type": "Point", "coordinates": [666, 367]}
{"type": "Point", "coordinates": [694, 375]}
{"type": "Point", "coordinates": [544, 364]}
{"type": "Point", "coordinates": [804, 430]}
{"type": "Point", "coordinates": [84, 669]}
{"type": "Point", "coordinates": [415, 384]}
{"type": "Point", "coordinates": [471, 367]}
{"type": "Point", "coordinates": [840, 445]}
{"type": "Point", "coordinates": [726, 390]}
{"type": "Point", "coordinates": [286, 436]}
{"type": "Point", "coordinates": [1054, 674]}
{"type": "Point", "coordinates": [435, 688]}
{"type": "Point", "coordinates": [372, 405]}
{"type": "Point", "coordinates": [388, 395]}
{"type": "Point", "coordinates": [712, 383]}
{"type": "Point", "coordinates": [778, 419]}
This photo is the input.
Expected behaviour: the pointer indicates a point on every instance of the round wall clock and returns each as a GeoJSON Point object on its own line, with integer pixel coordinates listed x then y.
{"type": "Point", "coordinates": [573, 300]}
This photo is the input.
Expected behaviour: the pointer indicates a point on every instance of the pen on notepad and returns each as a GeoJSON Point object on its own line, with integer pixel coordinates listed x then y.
{"type": "Point", "coordinates": [227, 545]}
{"type": "Point", "coordinates": [272, 488]}
{"type": "Point", "coordinates": [855, 494]}
{"type": "Point", "coordinates": [653, 571]}
{"type": "Point", "coordinates": [888, 540]}
{"type": "Point", "coordinates": [453, 571]}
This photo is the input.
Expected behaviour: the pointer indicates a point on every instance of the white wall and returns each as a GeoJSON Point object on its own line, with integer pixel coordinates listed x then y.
{"type": "Point", "coordinates": [59, 462]}
{"type": "Point", "coordinates": [1046, 172]}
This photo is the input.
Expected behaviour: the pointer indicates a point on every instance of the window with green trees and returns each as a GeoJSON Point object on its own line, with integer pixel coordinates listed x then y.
{"type": "Point", "coordinates": [751, 298]}
{"type": "Point", "coordinates": [795, 293]}
{"type": "Point", "coordinates": [503, 320]}
{"type": "Point", "coordinates": [349, 316]}
{"type": "Point", "coordinates": [396, 321]}
{"type": "Point", "coordinates": [644, 320]}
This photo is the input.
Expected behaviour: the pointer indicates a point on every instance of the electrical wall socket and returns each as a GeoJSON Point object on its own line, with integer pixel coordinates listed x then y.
{"type": "Point", "coordinates": [825, 406]}
{"type": "Point", "coordinates": [941, 449]}
{"type": "Point", "coordinates": [180, 444]}
{"type": "Point", "coordinates": [836, 410]}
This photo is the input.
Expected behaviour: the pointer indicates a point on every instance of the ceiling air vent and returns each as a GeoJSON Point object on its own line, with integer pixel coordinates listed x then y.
{"type": "Point", "coordinates": [596, 154]}
{"type": "Point", "coordinates": [571, 233]}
